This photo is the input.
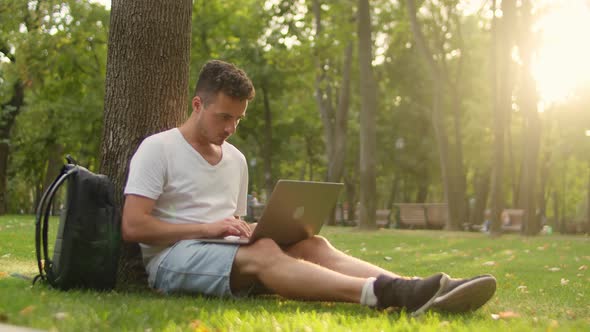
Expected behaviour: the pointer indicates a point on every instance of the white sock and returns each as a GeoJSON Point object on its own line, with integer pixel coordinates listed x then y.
{"type": "Point", "coordinates": [368, 295]}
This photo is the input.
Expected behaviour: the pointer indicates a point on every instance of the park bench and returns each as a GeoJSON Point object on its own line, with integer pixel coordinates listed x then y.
{"type": "Point", "coordinates": [512, 220]}
{"type": "Point", "coordinates": [412, 215]}
{"type": "Point", "coordinates": [422, 215]}
{"type": "Point", "coordinates": [436, 215]}
{"type": "Point", "coordinates": [381, 217]}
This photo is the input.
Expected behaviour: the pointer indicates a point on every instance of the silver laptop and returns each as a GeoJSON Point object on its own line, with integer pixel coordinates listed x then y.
{"type": "Point", "coordinates": [296, 210]}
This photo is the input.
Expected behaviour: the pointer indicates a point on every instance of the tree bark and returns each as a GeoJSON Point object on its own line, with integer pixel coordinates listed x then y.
{"type": "Point", "coordinates": [55, 160]}
{"type": "Point", "coordinates": [502, 99]}
{"type": "Point", "coordinates": [482, 189]}
{"type": "Point", "coordinates": [9, 112]}
{"type": "Point", "coordinates": [146, 90]}
{"type": "Point", "coordinates": [334, 119]}
{"type": "Point", "coordinates": [268, 180]}
{"type": "Point", "coordinates": [438, 122]}
{"type": "Point", "coordinates": [458, 181]}
{"type": "Point", "coordinates": [368, 110]}
{"type": "Point", "coordinates": [532, 127]}
{"type": "Point", "coordinates": [338, 156]}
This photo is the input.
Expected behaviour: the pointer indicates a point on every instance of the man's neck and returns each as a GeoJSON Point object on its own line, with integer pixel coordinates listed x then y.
{"type": "Point", "coordinates": [212, 153]}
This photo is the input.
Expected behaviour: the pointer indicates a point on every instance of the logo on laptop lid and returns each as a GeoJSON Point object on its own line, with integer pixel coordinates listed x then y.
{"type": "Point", "coordinates": [298, 213]}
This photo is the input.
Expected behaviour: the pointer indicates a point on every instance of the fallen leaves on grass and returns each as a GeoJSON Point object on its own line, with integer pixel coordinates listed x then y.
{"type": "Point", "coordinates": [5, 256]}
{"type": "Point", "coordinates": [522, 289]}
{"type": "Point", "coordinates": [387, 258]}
{"type": "Point", "coordinates": [489, 263]}
{"type": "Point", "coordinates": [61, 315]}
{"type": "Point", "coordinates": [27, 310]}
{"type": "Point", "coordinates": [505, 315]}
{"type": "Point", "coordinates": [198, 326]}
{"type": "Point", "coordinates": [564, 281]}
{"type": "Point", "coordinates": [554, 269]}
{"type": "Point", "coordinates": [444, 324]}
{"type": "Point", "coordinates": [583, 268]}
{"type": "Point", "coordinates": [570, 314]}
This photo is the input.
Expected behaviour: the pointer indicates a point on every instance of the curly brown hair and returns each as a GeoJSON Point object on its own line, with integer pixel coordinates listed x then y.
{"type": "Point", "coordinates": [219, 76]}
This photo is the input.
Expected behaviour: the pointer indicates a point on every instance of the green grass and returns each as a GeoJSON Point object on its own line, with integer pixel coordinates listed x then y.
{"type": "Point", "coordinates": [543, 281]}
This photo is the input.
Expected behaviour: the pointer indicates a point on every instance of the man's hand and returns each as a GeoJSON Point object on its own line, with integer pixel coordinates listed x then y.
{"type": "Point", "coordinates": [228, 226]}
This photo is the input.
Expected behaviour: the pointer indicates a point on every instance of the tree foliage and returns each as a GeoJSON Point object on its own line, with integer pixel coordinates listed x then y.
{"type": "Point", "coordinates": [56, 52]}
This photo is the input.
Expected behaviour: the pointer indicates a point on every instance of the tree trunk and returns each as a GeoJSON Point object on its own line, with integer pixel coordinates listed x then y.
{"type": "Point", "coordinates": [502, 100]}
{"type": "Point", "coordinates": [368, 138]}
{"type": "Point", "coordinates": [557, 225]}
{"type": "Point", "coordinates": [393, 192]}
{"type": "Point", "coordinates": [459, 183]}
{"type": "Point", "coordinates": [334, 120]}
{"type": "Point", "coordinates": [8, 114]}
{"type": "Point", "coordinates": [4, 150]}
{"type": "Point", "coordinates": [482, 189]}
{"type": "Point", "coordinates": [422, 189]}
{"type": "Point", "coordinates": [544, 178]}
{"type": "Point", "coordinates": [351, 198]}
{"type": "Point", "coordinates": [338, 157]}
{"type": "Point", "coordinates": [532, 129]}
{"type": "Point", "coordinates": [268, 180]}
{"type": "Point", "coordinates": [438, 122]}
{"type": "Point", "coordinates": [146, 90]}
{"type": "Point", "coordinates": [55, 160]}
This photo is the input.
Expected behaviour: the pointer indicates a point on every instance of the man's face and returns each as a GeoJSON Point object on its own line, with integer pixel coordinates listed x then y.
{"type": "Point", "coordinates": [220, 118]}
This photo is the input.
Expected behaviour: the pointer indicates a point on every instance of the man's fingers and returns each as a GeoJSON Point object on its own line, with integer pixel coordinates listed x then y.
{"type": "Point", "coordinates": [244, 228]}
{"type": "Point", "coordinates": [239, 227]}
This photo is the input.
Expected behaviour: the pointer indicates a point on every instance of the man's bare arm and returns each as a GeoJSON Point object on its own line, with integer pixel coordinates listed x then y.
{"type": "Point", "coordinates": [138, 225]}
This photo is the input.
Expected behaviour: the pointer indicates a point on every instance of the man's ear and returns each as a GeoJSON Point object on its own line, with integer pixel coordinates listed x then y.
{"type": "Point", "coordinates": [197, 104]}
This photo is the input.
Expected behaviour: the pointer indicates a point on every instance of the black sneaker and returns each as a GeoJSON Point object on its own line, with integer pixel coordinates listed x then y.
{"type": "Point", "coordinates": [415, 295]}
{"type": "Point", "coordinates": [464, 295]}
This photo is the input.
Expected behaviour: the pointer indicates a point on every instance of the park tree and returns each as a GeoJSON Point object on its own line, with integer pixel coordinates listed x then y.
{"type": "Point", "coordinates": [332, 93]}
{"type": "Point", "coordinates": [528, 100]}
{"type": "Point", "coordinates": [12, 98]}
{"type": "Point", "coordinates": [450, 151]}
{"type": "Point", "coordinates": [53, 81]}
{"type": "Point", "coordinates": [407, 166]}
{"type": "Point", "coordinates": [368, 94]}
{"type": "Point", "coordinates": [502, 85]}
{"type": "Point", "coordinates": [146, 88]}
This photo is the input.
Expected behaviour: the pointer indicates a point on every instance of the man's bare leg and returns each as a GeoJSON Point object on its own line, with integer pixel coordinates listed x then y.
{"type": "Point", "coordinates": [290, 277]}
{"type": "Point", "coordinates": [318, 250]}
{"type": "Point", "coordinates": [265, 262]}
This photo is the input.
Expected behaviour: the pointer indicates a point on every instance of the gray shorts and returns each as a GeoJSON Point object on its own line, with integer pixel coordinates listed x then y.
{"type": "Point", "coordinates": [192, 266]}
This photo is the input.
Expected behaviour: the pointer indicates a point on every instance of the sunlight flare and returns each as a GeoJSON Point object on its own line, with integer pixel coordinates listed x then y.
{"type": "Point", "coordinates": [562, 63]}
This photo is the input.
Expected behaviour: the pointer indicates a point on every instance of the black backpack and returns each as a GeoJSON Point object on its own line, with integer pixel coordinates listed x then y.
{"type": "Point", "coordinates": [88, 241]}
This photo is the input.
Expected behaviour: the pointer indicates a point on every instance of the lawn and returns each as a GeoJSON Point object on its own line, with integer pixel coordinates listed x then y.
{"type": "Point", "coordinates": [543, 285]}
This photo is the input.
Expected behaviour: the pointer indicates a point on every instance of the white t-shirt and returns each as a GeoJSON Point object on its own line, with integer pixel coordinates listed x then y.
{"type": "Point", "coordinates": [186, 188]}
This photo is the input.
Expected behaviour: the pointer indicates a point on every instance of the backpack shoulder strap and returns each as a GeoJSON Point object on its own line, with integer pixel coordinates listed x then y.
{"type": "Point", "coordinates": [43, 211]}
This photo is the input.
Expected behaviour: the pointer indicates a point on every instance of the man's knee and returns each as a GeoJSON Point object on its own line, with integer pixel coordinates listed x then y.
{"type": "Point", "coordinates": [257, 256]}
{"type": "Point", "coordinates": [309, 248]}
